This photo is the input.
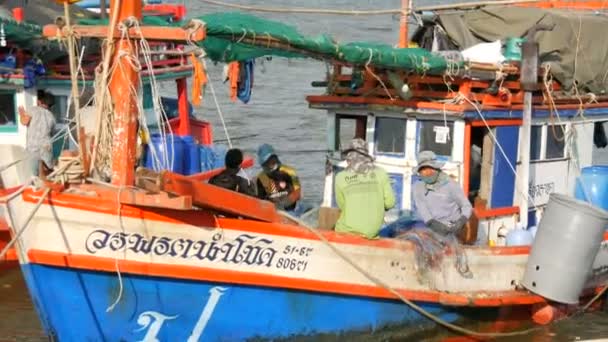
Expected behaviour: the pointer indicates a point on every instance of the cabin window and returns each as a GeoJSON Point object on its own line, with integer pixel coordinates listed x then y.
{"type": "Point", "coordinates": [349, 127]}
{"type": "Point", "coordinates": [8, 112]}
{"type": "Point", "coordinates": [599, 135]}
{"type": "Point", "coordinates": [390, 136]}
{"type": "Point", "coordinates": [556, 142]}
{"type": "Point", "coordinates": [535, 142]}
{"type": "Point", "coordinates": [436, 136]}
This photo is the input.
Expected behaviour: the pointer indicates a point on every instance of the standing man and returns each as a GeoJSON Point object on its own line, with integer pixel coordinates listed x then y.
{"type": "Point", "coordinates": [440, 201]}
{"type": "Point", "coordinates": [363, 193]}
{"type": "Point", "coordinates": [277, 182]}
{"type": "Point", "coordinates": [40, 123]}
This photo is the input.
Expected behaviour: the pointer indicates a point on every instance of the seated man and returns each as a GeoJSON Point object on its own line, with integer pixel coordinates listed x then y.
{"type": "Point", "coordinates": [363, 192]}
{"type": "Point", "coordinates": [440, 201]}
{"type": "Point", "coordinates": [231, 178]}
{"type": "Point", "coordinates": [277, 182]}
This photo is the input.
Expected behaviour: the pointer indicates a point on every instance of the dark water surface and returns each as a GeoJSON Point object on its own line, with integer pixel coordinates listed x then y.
{"type": "Point", "coordinates": [279, 114]}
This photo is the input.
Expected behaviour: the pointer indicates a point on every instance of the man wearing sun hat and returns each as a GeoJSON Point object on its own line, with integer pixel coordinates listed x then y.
{"type": "Point", "coordinates": [439, 201]}
{"type": "Point", "coordinates": [277, 182]}
{"type": "Point", "coordinates": [363, 192]}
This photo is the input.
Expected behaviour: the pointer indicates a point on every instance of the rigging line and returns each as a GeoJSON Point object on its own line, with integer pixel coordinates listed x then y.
{"type": "Point", "coordinates": [380, 283]}
{"type": "Point", "coordinates": [504, 154]}
{"type": "Point", "coordinates": [219, 111]}
{"type": "Point", "coordinates": [302, 10]}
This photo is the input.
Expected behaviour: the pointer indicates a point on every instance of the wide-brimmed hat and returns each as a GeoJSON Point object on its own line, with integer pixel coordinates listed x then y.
{"type": "Point", "coordinates": [357, 145]}
{"type": "Point", "coordinates": [428, 159]}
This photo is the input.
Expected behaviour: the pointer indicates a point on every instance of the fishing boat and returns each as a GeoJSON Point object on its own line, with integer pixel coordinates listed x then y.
{"type": "Point", "coordinates": [160, 256]}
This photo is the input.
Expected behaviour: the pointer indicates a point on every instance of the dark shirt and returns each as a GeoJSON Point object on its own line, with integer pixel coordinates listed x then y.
{"type": "Point", "coordinates": [229, 179]}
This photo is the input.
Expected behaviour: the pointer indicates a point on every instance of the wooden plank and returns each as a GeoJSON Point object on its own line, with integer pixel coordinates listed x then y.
{"type": "Point", "coordinates": [219, 199]}
{"type": "Point", "coordinates": [160, 200]}
{"type": "Point", "coordinates": [149, 32]}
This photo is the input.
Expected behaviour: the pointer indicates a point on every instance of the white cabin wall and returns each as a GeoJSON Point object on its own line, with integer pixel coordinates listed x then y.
{"type": "Point", "coordinates": [581, 152]}
{"type": "Point", "coordinates": [458, 149]}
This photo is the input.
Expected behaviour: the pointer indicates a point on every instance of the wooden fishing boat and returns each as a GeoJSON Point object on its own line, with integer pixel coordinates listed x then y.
{"type": "Point", "coordinates": [165, 257]}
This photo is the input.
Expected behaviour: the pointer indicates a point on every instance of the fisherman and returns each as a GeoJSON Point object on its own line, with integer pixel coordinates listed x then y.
{"type": "Point", "coordinates": [40, 123]}
{"type": "Point", "coordinates": [440, 201]}
{"type": "Point", "coordinates": [233, 178]}
{"type": "Point", "coordinates": [277, 182]}
{"type": "Point", "coordinates": [363, 192]}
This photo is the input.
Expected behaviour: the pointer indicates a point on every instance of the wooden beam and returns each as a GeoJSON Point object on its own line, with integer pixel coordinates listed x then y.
{"type": "Point", "coordinates": [149, 32]}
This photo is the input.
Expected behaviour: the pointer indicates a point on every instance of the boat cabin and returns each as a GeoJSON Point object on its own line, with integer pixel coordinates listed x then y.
{"type": "Point", "coordinates": [481, 150]}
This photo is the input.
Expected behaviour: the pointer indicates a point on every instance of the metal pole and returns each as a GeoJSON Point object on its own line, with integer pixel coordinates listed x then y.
{"type": "Point", "coordinates": [102, 8]}
{"type": "Point", "coordinates": [529, 82]}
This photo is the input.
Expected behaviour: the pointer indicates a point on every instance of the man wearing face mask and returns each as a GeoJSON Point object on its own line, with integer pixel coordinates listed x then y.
{"type": "Point", "coordinates": [440, 201]}
{"type": "Point", "coordinates": [277, 182]}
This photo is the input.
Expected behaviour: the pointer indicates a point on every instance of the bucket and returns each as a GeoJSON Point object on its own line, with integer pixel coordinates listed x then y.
{"type": "Point", "coordinates": [174, 153]}
{"type": "Point", "coordinates": [566, 244]}
{"type": "Point", "coordinates": [594, 181]}
{"type": "Point", "coordinates": [513, 49]}
{"type": "Point", "coordinates": [192, 160]}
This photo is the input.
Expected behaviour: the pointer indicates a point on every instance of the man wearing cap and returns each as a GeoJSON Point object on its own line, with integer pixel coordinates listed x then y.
{"type": "Point", "coordinates": [440, 201]}
{"type": "Point", "coordinates": [363, 193]}
{"type": "Point", "coordinates": [231, 178]}
{"type": "Point", "coordinates": [277, 182]}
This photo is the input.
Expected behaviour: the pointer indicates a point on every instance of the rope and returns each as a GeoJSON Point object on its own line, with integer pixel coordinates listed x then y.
{"type": "Point", "coordinates": [387, 287]}
{"type": "Point", "coordinates": [120, 284]}
{"type": "Point", "coordinates": [303, 10]}
{"type": "Point", "coordinates": [27, 220]}
{"type": "Point", "coordinates": [371, 54]}
{"type": "Point", "coordinates": [74, 79]}
{"type": "Point", "coordinates": [524, 195]}
{"type": "Point", "coordinates": [219, 111]}
{"type": "Point", "coordinates": [103, 101]}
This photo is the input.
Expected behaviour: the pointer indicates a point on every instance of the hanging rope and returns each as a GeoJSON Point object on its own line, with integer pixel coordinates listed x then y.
{"type": "Point", "coordinates": [496, 143]}
{"type": "Point", "coordinates": [75, 96]}
{"type": "Point", "coordinates": [103, 132]}
{"type": "Point", "coordinates": [20, 231]}
{"type": "Point", "coordinates": [219, 112]}
{"type": "Point", "coordinates": [388, 288]}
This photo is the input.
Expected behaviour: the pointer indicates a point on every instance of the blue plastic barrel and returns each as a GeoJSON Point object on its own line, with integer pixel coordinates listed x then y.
{"type": "Point", "coordinates": [206, 157]}
{"type": "Point", "coordinates": [174, 153]}
{"type": "Point", "coordinates": [594, 180]}
{"type": "Point", "coordinates": [192, 160]}
{"type": "Point", "coordinates": [219, 156]}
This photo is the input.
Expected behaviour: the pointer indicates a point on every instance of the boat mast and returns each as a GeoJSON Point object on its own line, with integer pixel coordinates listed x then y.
{"type": "Point", "coordinates": [122, 85]}
{"type": "Point", "coordinates": [406, 7]}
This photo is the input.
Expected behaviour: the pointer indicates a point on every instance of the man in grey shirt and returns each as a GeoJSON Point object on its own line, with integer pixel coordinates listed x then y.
{"type": "Point", "coordinates": [40, 123]}
{"type": "Point", "coordinates": [440, 201]}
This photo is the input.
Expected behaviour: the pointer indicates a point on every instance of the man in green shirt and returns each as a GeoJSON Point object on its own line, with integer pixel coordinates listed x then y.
{"type": "Point", "coordinates": [363, 193]}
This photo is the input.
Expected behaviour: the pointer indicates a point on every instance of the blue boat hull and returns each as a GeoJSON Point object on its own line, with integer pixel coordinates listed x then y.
{"type": "Point", "coordinates": [72, 305]}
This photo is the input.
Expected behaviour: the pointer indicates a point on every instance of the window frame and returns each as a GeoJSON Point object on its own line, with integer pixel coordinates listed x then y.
{"type": "Point", "coordinates": [544, 142]}
{"type": "Point", "coordinates": [360, 128]}
{"type": "Point", "coordinates": [376, 135]}
{"type": "Point", "coordinates": [451, 137]}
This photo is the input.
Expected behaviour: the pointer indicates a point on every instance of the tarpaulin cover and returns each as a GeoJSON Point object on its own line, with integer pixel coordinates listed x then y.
{"type": "Point", "coordinates": [575, 46]}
